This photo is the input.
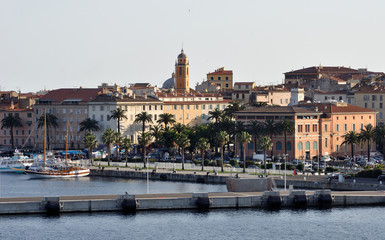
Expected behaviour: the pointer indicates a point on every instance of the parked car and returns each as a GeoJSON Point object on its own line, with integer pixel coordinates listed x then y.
{"type": "Point", "coordinates": [253, 166]}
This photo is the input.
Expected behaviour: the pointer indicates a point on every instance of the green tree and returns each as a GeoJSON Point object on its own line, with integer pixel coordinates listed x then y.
{"type": "Point", "coordinates": [256, 128]}
{"type": "Point", "coordinates": [119, 115]}
{"type": "Point", "coordinates": [379, 137]}
{"type": "Point", "coordinates": [91, 143]}
{"type": "Point", "coordinates": [143, 118]}
{"type": "Point", "coordinates": [89, 125]}
{"type": "Point", "coordinates": [286, 127]}
{"type": "Point", "coordinates": [367, 135]}
{"type": "Point", "coordinates": [351, 138]}
{"type": "Point", "coordinates": [244, 138]}
{"type": "Point", "coordinates": [117, 140]}
{"type": "Point", "coordinates": [215, 115]}
{"type": "Point", "coordinates": [156, 132]}
{"type": "Point", "coordinates": [127, 146]}
{"type": "Point", "coordinates": [108, 138]}
{"type": "Point", "coordinates": [203, 145]}
{"type": "Point", "coordinates": [144, 141]}
{"type": "Point", "coordinates": [11, 121]}
{"type": "Point", "coordinates": [51, 122]}
{"type": "Point", "coordinates": [222, 138]}
{"type": "Point", "coordinates": [166, 119]}
{"type": "Point", "coordinates": [233, 107]}
{"type": "Point", "coordinates": [272, 128]}
{"type": "Point", "coordinates": [265, 144]}
{"type": "Point", "coordinates": [179, 127]}
{"type": "Point", "coordinates": [183, 142]}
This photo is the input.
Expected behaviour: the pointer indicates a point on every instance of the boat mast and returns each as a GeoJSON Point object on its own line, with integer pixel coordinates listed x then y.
{"type": "Point", "coordinates": [45, 136]}
{"type": "Point", "coordinates": [66, 141]}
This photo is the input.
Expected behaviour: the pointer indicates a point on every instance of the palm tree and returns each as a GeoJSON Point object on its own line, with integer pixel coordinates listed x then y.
{"type": "Point", "coordinates": [90, 142]}
{"type": "Point", "coordinates": [127, 146]}
{"type": "Point", "coordinates": [144, 140]}
{"type": "Point", "coordinates": [286, 127]}
{"type": "Point", "coordinates": [183, 142]}
{"type": "Point", "coordinates": [166, 119]}
{"type": "Point", "coordinates": [379, 136]}
{"type": "Point", "coordinates": [256, 128]}
{"type": "Point", "coordinates": [244, 138]}
{"type": "Point", "coordinates": [51, 121]}
{"type": "Point", "coordinates": [117, 140]}
{"type": "Point", "coordinates": [108, 138]}
{"type": "Point", "coordinates": [239, 128]}
{"type": "Point", "coordinates": [179, 127]}
{"type": "Point", "coordinates": [367, 135]}
{"type": "Point", "coordinates": [233, 107]}
{"type": "Point", "coordinates": [11, 121]}
{"type": "Point", "coordinates": [222, 138]}
{"type": "Point", "coordinates": [265, 144]}
{"type": "Point", "coordinates": [156, 132]}
{"type": "Point", "coordinates": [143, 118]}
{"type": "Point", "coordinates": [118, 114]}
{"type": "Point", "coordinates": [351, 138]}
{"type": "Point", "coordinates": [272, 129]}
{"type": "Point", "coordinates": [89, 125]}
{"type": "Point", "coordinates": [203, 145]}
{"type": "Point", "coordinates": [215, 115]}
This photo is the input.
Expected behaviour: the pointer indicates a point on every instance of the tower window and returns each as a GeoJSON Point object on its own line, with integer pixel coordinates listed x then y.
{"type": "Point", "coordinates": [219, 78]}
{"type": "Point", "coordinates": [180, 71]}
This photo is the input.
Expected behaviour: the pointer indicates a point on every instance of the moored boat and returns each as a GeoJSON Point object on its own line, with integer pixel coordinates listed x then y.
{"type": "Point", "coordinates": [17, 163]}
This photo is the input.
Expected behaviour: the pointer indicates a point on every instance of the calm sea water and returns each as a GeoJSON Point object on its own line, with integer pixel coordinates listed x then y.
{"type": "Point", "coordinates": [336, 223]}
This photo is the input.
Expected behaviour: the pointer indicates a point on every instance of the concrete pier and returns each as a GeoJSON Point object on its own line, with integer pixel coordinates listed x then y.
{"type": "Point", "coordinates": [268, 199]}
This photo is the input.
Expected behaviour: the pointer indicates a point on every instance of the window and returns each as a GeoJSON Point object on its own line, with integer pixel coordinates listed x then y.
{"type": "Point", "coordinates": [381, 116]}
{"type": "Point", "coordinates": [278, 146]}
{"type": "Point", "coordinates": [354, 127]}
{"type": "Point", "coordinates": [345, 127]}
{"type": "Point", "coordinates": [288, 145]}
{"type": "Point", "coordinates": [175, 107]}
{"type": "Point", "coordinates": [101, 118]}
{"type": "Point", "coordinates": [337, 147]}
{"type": "Point", "coordinates": [300, 146]}
{"type": "Point", "coordinates": [381, 104]}
{"type": "Point", "coordinates": [188, 116]}
{"type": "Point", "coordinates": [219, 78]}
{"type": "Point", "coordinates": [326, 127]}
{"type": "Point", "coordinates": [299, 128]}
{"type": "Point", "coordinates": [149, 107]}
{"type": "Point", "coordinates": [227, 85]}
{"type": "Point", "coordinates": [326, 142]}
{"type": "Point", "coordinates": [64, 111]}
{"type": "Point", "coordinates": [212, 78]}
{"type": "Point", "coordinates": [188, 107]}
{"type": "Point", "coordinates": [362, 126]}
{"type": "Point", "coordinates": [17, 132]}
{"type": "Point", "coordinates": [337, 127]}
{"type": "Point", "coordinates": [101, 108]}
{"type": "Point", "coordinates": [227, 78]}
{"type": "Point", "coordinates": [29, 115]}
{"type": "Point", "coordinates": [314, 127]}
{"type": "Point", "coordinates": [373, 105]}
{"type": "Point", "coordinates": [307, 128]}
{"type": "Point", "coordinates": [366, 97]}
{"type": "Point", "coordinates": [144, 107]}
{"type": "Point", "coordinates": [180, 71]}
{"type": "Point", "coordinates": [374, 98]}
{"type": "Point", "coordinates": [5, 132]}
{"type": "Point", "coordinates": [22, 132]}
{"type": "Point", "coordinates": [108, 118]}
{"type": "Point", "coordinates": [155, 117]}
{"type": "Point", "coordinates": [315, 145]}
{"type": "Point", "coordinates": [181, 107]}
{"type": "Point", "coordinates": [307, 146]}
{"type": "Point", "coordinates": [366, 105]}
{"type": "Point", "coordinates": [204, 107]}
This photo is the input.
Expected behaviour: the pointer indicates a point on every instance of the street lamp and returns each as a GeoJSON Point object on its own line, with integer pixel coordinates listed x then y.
{"type": "Point", "coordinates": [284, 157]}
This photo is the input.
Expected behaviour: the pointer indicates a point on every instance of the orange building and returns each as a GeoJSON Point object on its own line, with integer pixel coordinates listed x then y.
{"type": "Point", "coordinates": [222, 78]}
{"type": "Point", "coordinates": [182, 74]}
{"type": "Point", "coordinates": [319, 128]}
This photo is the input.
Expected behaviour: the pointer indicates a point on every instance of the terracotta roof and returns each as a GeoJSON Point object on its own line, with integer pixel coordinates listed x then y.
{"type": "Point", "coordinates": [83, 94]}
{"type": "Point", "coordinates": [226, 72]}
{"type": "Point", "coordinates": [195, 102]}
{"type": "Point", "coordinates": [244, 83]}
{"type": "Point", "coordinates": [333, 108]}
{"type": "Point", "coordinates": [278, 109]}
{"type": "Point", "coordinates": [329, 93]}
{"type": "Point", "coordinates": [112, 98]}
{"type": "Point", "coordinates": [141, 85]}
{"type": "Point", "coordinates": [325, 70]}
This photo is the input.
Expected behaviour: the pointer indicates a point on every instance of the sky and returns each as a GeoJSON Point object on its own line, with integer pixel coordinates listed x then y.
{"type": "Point", "coordinates": [47, 44]}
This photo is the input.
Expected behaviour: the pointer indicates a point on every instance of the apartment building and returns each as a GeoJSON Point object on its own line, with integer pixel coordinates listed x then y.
{"type": "Point", "coordinates": [319, 127]}
{"type": "Point", "coordinates": [66, 104]}
{"type": "Point", "coordinates": [221, 78]}
{"type": "Point", "coordinates": [101, 107]}
{"type": "Point", "coordinates": [241, 91]}
{"type": "Point", "coordinates": [371, 98]}
{"type": "Point", "coordinates": [270, 96]}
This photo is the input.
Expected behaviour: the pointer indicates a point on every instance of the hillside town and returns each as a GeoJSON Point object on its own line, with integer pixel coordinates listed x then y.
{"type": "Point", "coordinates": [317, 112]}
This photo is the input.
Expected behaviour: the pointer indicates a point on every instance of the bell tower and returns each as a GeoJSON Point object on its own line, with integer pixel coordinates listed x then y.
{"type": "Point", "coordinates": [182, 74]}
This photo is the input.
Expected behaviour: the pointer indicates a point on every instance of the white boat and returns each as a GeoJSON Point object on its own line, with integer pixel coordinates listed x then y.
{"type": "Point", "coordinates": [55, 169]}
{"type": "Point", "coordinates": [17, 163]}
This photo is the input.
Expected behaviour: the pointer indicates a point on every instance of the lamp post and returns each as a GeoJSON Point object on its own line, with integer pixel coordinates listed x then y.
{"type": "Point", "coordinates": [284, 157]}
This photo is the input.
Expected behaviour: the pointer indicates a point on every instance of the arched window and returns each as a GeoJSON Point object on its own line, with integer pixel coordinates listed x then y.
{"type": "Point", "coordinates": [315, 145]}
{"type": "Point", "coordinates": [288, 145]}
{"type": "Point", "coordinates": [180, 71]}
{"type": "Point", "coordinates": [300, 146]}
{"type": "Point", "coordinates": [278, 146]}
{"type": "Point", "coordinates": [307, 146]}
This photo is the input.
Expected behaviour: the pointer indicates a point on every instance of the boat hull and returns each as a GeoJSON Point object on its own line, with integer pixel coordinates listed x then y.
{"type": "Point", "coordinates": [53, 174]}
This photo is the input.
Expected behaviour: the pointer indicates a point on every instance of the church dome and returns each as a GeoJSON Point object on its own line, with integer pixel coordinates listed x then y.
{"type": "Point", "coordinates": [169, 83]}
{"type": "Point", "coordinates": [182, 55]}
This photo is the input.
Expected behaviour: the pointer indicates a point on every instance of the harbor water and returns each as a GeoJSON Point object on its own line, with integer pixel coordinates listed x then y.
{"type": "Point", "coordinates": [335, 223]}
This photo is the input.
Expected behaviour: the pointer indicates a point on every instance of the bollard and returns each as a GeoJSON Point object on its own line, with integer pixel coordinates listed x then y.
{"type": "Point", "coordinates": [129, 203]}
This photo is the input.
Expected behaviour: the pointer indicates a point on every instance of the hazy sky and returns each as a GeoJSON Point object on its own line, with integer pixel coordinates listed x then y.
{"type": "Point", "coordinates": [70, 43]}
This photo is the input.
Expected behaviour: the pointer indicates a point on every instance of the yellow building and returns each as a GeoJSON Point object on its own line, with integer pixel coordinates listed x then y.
{"type": "Point", "coordinates": [182, 74]}
{"type": "Point", "coordinates": [222, 78]}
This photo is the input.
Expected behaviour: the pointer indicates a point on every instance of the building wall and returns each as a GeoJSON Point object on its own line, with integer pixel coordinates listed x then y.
{"type": "Point", "coordinates": [23, 136]}
{"type": "Point", "coordinates": [372, 100]}
{"type": "Point", "coordinates": [221, 79]}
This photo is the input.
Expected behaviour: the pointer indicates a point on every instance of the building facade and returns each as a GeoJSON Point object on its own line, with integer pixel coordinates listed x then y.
{"type": "Point", "coordinates": [221, 78]}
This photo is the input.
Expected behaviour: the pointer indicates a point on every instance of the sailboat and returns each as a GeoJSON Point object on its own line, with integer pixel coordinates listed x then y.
{"type": "Point", "coordinates": [55, 169]}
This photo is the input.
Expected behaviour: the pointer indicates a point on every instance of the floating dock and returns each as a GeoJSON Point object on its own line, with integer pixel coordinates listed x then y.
{"type": "Point", "coordinates": [139, 202]}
